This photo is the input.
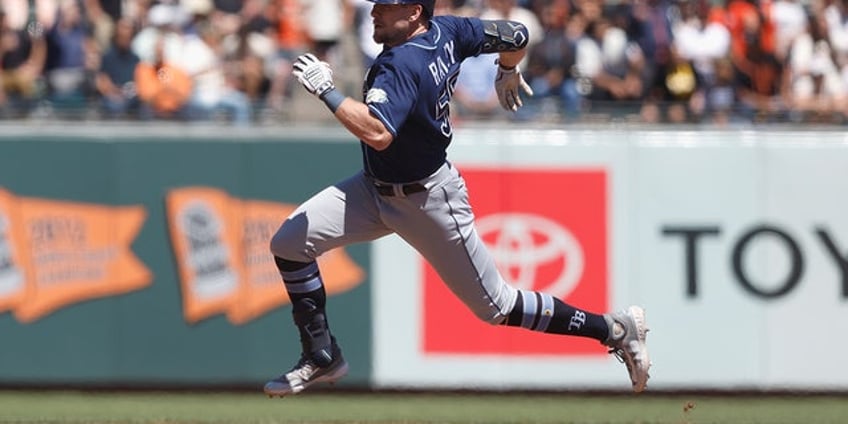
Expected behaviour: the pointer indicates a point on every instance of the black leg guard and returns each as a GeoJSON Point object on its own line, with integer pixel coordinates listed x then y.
{"type": "Point", "coordinates": [315, 337]}
{"type": "Point", "coordinates": [306, 291]}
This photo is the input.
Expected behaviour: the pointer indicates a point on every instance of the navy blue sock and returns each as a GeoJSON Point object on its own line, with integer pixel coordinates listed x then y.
{"type": "Point", "coordinates": [542, 312]}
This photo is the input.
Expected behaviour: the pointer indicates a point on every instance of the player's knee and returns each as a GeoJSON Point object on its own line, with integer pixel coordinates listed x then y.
{"type": "Point", "coordinates": [289, 242]}
{"type": "Point", "coordinates": [500, 302]}
{"type": "Point", "coordinates": [279, 245]}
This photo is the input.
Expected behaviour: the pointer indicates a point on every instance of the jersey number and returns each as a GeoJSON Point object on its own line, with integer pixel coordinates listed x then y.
{"type": "Point", "coordinates": [443, 105]}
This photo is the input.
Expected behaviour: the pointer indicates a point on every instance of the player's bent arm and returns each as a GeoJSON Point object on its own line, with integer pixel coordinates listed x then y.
{"type": "Point", "coordinates": [509, 40]}
{"type": "Point", "coordinates": [504, 36]}
{"type": "Point", "coordinates": [317, 78]}
{"type": "Point", "coordinates": [357, 118]}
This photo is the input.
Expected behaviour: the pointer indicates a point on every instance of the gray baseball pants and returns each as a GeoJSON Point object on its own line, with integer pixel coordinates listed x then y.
{"type": "Point", "coordinates": [438, 223]}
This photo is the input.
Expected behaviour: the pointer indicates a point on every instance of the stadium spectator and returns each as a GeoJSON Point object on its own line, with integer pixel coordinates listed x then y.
{"type": "Point", "coordinates": [760, 79]}
{"type": "Point", "coordinates": [68, 48]}
{"type": "Point", "coordinates": [292, 41]}
{"type": "Point", "coordinates": [750, 27]}
{"type": "Point", "coordinates": [817, 90]}
{"type": "Point", "coordinates": [252, 49]}
{"type": "Point", "coordinates": [611, 68]}
{"type": "Point", "coordinates": [551, 62]}
{"type": "Point", "coordinates": [213, 91]}
{"type": "Point", "coordinates": [649, 24]}
{"type": "Point", "coordinates": [325, 21]}
{"type": "Point", "coordinates": [677, 95]}
{"type": "Point", "coordinates": [701, 40]}
{"type": "Point", "coordinates": [115, 80]}
{"type": "Point", "coordinates": [162, 86]}
{"type": "Point", "coordinates": [22, 57]}
{"type": "Point", "coordinates": [702, 43]}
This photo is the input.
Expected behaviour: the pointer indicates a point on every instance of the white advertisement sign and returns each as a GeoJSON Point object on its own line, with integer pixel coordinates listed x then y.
{"type": "Point", "coordinates": [735, 242]}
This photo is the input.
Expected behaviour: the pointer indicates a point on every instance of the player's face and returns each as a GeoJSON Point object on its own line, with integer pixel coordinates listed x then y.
{"type": "Point", "coordinates": [393, 22]}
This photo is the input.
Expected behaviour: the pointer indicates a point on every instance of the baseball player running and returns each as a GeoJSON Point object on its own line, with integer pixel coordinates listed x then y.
{"type": "Point", "coordinates": [408, 187]}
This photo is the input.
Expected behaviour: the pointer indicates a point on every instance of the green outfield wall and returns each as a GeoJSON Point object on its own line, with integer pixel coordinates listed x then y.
{"type": "Point", "coordinates": [65, 189]}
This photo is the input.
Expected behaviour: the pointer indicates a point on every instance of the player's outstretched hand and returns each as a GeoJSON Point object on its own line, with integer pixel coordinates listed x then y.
{"type": "Point", "coordinates": [507, 84]}
{"type": "Point", "coordinates": [316, 76]}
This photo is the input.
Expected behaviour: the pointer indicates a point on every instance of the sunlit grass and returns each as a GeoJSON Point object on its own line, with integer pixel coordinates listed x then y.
{"type": "Point", "coordinates": [336, 407]}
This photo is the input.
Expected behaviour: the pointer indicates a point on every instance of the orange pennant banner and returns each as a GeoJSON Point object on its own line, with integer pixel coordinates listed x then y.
{"type": "Point", "coordinates": [204, 234]}
{"type": "Point", "coordinates": [76, 252]}
{"type": "Point", "coordinates": [243, 232]}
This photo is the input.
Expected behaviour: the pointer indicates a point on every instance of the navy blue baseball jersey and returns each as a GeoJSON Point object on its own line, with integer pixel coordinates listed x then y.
{"type": "Point", "coordinates": [409, 88]}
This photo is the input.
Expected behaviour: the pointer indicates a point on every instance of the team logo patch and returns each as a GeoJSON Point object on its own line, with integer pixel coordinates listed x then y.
{"type": "Point", "coordinates": [376, 95]}
{"type": "Point", "coordinates": [558, 248]}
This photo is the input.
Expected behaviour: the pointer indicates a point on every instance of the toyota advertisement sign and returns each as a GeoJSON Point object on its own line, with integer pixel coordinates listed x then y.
{"type": "Point", "coordinates": [735, 243]}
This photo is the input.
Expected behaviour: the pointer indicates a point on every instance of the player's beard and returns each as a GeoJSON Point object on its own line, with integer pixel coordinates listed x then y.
{"type": "Point", "coordinates": [396, 35]}
{"type": "Point", "coordinates": [387, 35]}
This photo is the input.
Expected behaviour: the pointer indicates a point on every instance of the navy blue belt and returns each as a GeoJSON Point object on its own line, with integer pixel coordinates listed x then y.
{"type": "Point", "coordinates": [406, 189]}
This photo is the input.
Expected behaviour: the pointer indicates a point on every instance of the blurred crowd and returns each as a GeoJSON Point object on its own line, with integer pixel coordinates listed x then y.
{"type": "Point", "coordinates": [654, 61]}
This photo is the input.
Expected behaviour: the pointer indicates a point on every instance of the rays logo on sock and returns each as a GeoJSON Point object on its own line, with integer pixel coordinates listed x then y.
{"type": "Point", "coordinates": [577, 320]}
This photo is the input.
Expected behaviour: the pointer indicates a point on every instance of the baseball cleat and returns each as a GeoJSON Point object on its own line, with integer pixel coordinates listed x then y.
{"type": "Point", "coordinates": [628, 329]}
{"type": "Point", "coordinates": [304, 374]}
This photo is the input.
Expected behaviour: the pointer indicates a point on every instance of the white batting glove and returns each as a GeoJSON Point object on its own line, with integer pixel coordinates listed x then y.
{"type": "Point", "coordinates": [315, 75]}
{"type": "Point", "coordinates": [507, 85]}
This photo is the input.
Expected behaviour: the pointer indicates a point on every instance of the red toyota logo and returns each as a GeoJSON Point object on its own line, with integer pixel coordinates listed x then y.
{"type": "Point", "coordinates": [523, 244]}
{"type": "Point", "coordinates": [547, 231]}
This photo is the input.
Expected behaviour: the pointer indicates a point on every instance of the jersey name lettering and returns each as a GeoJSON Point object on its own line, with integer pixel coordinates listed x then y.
{"type": "Point", "coordinates": [439, 68]}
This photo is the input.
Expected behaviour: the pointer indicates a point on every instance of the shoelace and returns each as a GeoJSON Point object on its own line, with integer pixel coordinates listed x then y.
{"type": "Point", "coordinates": [304, 368]}
{"type": "Point", "coordinates": [619, 354]}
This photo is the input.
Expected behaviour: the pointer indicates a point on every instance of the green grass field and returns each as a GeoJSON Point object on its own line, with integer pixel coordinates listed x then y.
{"type": "Point", "coordinates": [338, 407]}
